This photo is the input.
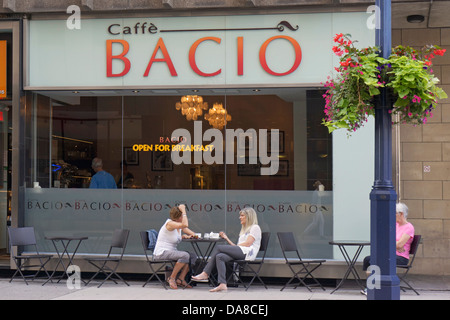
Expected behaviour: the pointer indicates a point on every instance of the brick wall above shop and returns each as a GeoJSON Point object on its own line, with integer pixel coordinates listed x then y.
{"type": "Point", "coordinates": [38, 6]}
{"type": "Point", "coordinates": [33, 6]}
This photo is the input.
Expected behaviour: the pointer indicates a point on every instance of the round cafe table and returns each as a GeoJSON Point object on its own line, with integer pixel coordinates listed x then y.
{"type": "Point", "coordinates": [203, 255]}
{"type": "Point", "coordinates": [351, 261]}
{"type": "Point", "coordinates": [65, 241]}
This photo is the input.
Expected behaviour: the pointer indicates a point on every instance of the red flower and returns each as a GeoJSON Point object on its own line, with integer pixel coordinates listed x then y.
{"type": "Point", "coordinates": [338, 38]}
{"type": "Point", "coordinates": [439, 52]}
{"type": "Point", "coordinates": [336, 50]}
{"type": "Point", "coordinates": [346, 63]}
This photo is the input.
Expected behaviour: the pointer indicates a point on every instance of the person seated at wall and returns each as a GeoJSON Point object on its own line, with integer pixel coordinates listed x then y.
{"type": "Point", "coordinates": [404, 238]}
{"type": "Point", "coordinates": [101, 178]}
{"type": "Point", "coordinates": [166, 246]}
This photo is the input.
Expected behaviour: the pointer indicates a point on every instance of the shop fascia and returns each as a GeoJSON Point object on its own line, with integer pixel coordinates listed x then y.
{"type": "Point", "coordinates": [161, 50]}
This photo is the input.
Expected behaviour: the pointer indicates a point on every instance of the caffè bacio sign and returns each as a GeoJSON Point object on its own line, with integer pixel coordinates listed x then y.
{"type": "Point", "coordinates": [209, 43]}
{"type": "Point", "coordinates": [185, 52]}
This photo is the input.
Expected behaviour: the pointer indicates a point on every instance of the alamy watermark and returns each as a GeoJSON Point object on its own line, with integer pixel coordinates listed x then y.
{"type": "Point", "coordinates": [73, 277]}
{"type": "Point", "coordinates": [374, 279]}
{"type": "Point", "coordinates": [213, 152]}
{"type": "Point", "coordinates": [262, 147]}
{"type": "Point", "coordinates": [74, 21]}
{"type": "Point", "coordinates": [374, 21]}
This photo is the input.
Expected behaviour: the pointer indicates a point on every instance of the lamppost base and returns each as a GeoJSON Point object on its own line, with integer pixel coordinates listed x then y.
{"type": "Point", "coordinates": [382, 241]}
{"type": "Point", "coordinates": [388, 289]}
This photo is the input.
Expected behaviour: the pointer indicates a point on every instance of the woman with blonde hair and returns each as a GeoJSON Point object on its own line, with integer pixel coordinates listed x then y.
{"type": "Point", "coordinates": [246, 248]}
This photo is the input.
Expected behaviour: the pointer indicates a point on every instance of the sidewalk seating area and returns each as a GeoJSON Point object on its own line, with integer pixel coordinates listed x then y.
{"type": "Point", "coordinates": [430, 288]}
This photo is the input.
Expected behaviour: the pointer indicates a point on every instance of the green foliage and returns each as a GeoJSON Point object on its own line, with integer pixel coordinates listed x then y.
{"type": "Point", "coordinates": [362, 72]}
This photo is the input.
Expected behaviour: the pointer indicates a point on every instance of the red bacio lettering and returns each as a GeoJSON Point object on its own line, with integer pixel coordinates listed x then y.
{"type": "Point", "coordinates": [122, 47]}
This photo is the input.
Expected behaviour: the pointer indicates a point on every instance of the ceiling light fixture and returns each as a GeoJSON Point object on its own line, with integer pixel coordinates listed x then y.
{"type": "Point", "coordinates": [192, 107]}
{"type": "Point", "coordinates": [217, 116]}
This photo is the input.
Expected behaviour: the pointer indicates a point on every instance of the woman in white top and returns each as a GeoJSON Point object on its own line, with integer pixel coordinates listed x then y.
{"type": "Point", "coordinates": [166, 246]}
{"type": "Point", "coordinates": [247, 248]}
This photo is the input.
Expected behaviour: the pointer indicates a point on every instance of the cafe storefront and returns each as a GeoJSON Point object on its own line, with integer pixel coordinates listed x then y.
{"type": "Point", "coordinates": [215, 112]}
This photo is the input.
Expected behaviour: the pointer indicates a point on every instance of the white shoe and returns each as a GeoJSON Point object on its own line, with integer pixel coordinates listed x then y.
{"type": "Point", "coordinates": [197, 278]}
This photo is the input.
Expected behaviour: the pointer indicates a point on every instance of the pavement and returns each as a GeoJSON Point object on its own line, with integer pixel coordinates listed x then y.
{"type": "Point", "coordinates": [429, 287]}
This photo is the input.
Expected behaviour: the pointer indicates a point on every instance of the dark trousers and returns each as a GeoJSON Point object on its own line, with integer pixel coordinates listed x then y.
{"type": "Point", "coordinates": [219, 258]}
{"type": "Point", "coordinates": [401, 261]}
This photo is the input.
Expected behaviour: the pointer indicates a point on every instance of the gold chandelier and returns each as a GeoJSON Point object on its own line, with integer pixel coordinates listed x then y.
{"type": "Point", "coordinates": [217, 116]}
{"type": "Point", "coordinates": [192, 107]}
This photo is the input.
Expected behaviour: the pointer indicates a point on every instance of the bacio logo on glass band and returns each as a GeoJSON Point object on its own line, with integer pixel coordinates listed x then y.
{"type": "Point", "coordinates": [161, 49]}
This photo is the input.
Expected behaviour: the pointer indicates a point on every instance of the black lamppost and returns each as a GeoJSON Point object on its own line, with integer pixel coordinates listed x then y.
{"type": "Point", "coordinates": [386, 284]}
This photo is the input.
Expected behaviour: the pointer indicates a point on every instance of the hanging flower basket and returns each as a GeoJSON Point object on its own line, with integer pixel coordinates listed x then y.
{"type": "Point", "coordinates": [408, 75]}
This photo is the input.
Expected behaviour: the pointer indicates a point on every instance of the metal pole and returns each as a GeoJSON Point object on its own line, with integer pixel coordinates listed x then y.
{"type": "Point", "coordinates": [383, 196]}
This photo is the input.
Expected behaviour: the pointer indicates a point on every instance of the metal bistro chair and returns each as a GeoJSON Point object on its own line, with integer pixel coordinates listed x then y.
{"type": "Point", "coordinates": [307, 267]}
{"type": "Point", "coordinates": [26, 237]}
{"type": "Point", "coordinates": [145, 244]}
{"type": "Point", "coordinates": [119, 241]}
{"type": "Point", "coordinates": [412, 253]}
{"type": "Point", "coordinates": [245, 266]}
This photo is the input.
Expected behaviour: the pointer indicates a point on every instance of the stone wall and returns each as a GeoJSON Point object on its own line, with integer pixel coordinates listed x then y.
{"type": "Point", "coordinates": [425, 163]}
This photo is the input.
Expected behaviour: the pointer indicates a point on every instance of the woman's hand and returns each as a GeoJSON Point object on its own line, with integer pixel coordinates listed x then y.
{"type": "Point", "coordinates": [224, 236]}
{"type": "Point", "coordinates": [181, 223]}
{"type": "Point", "coordinates": [400, 245]}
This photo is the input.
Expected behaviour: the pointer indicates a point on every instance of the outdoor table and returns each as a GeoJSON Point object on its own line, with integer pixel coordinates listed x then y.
{"type": "Point", "coordinates": [342, 244]}
{"type": "Point", "coordinates": [204, 256]}
{"type": "Point", "coordinates": [65, 241]}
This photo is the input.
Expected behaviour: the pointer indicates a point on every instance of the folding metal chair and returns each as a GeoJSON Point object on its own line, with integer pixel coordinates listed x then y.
{"type": "Point", "coordinates": [306, 267]}
{"type": "Point", "coordinates": [252, 267]}
{"type": "Point", "coordinates": [412, 253]}
{"type": "Point", "coordinates": [151, 262]}
{"type": "Point", "coordinates": [26, 237]}
{"type": "Point", "coordinates": [119, 241]}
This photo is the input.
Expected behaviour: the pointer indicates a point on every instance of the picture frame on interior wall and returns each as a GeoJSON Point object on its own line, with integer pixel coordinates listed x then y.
{"type": "Point", "coordinates": [281, 141]}
{"type": "Point", "coordinates": [283, 168]}
{"type": "Point", "coordinates": [162, 161]}
{"type": "Point", "coordinates": [130, 156]}
{"type": "Point", "coordinates": [246, 142]}
{"type": "Point", "coordinates": [249, 169]}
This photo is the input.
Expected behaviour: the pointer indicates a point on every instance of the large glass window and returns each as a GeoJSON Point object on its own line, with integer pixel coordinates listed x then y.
{"type": "Point", "coordinates": [135, 134]}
